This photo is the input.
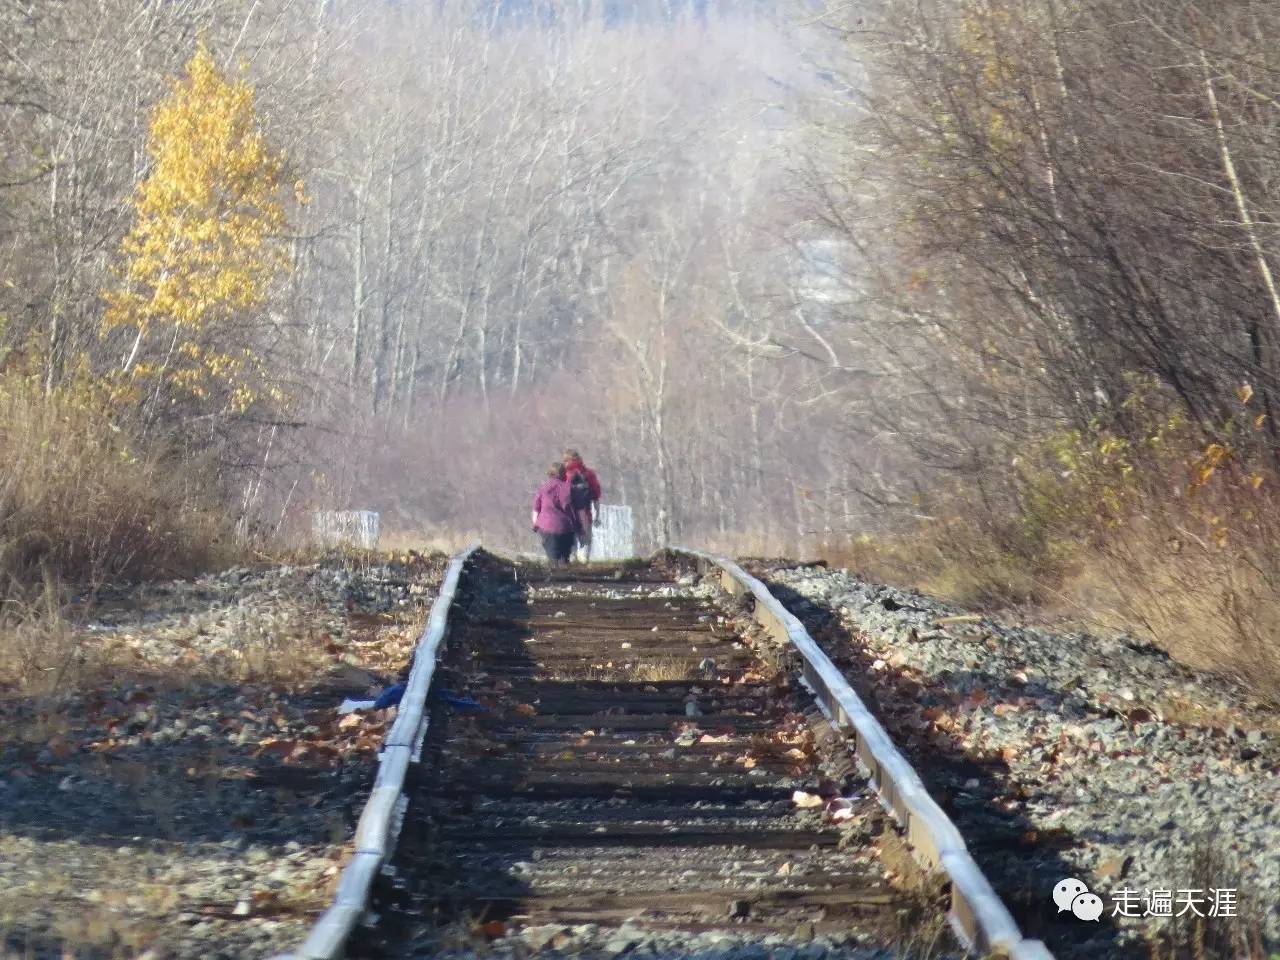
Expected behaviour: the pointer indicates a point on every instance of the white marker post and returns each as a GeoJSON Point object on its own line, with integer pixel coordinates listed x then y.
{"type": "Point", "coordinates": [359, 528]}
{"type": "Point", "coordinates": [614, 537]}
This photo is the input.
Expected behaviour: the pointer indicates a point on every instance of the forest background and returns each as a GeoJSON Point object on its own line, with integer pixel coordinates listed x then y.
{"type": "Point", "coordinates": [978, 296]}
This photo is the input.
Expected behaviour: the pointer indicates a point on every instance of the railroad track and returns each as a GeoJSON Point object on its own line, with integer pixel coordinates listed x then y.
{"type": "Point", "coordinates": [617, 760]}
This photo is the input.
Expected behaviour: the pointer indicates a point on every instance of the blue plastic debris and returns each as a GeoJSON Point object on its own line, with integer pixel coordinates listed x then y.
{"type": "Point", "coordinates": [389, 697]}
{"type": "Point", "coordinates": [462, 704]}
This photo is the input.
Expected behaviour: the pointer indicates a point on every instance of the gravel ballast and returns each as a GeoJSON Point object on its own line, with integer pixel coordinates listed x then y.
{"type": "Point", "coordinates": [1066, 754]}
{"type": "Point", "coordinates": [197, 799]}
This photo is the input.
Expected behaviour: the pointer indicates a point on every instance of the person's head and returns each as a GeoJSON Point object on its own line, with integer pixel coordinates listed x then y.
{"type": "Point", "coordinates": [556, 471]}
{"type": "Point", "coordinates": [572, 456]}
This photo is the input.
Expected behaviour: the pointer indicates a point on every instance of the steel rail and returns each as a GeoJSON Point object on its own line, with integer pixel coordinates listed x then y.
{"type": "Point", "coordinates": [977, 915]}
{"type": "Point", "coordinates": [379, 826]}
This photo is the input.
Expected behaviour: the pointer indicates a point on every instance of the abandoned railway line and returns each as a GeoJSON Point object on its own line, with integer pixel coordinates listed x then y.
{"type": "Point", "coordinates": [616, 759]}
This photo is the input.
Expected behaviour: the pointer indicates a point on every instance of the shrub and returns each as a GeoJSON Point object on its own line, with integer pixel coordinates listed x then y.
{"type": "Point", "coordinates": [1170, 533]}
{"type": "Point", "coordinates": [81, 501]}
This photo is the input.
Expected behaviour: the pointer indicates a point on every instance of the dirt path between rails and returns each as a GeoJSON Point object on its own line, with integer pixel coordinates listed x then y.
{"type": "Point", "coordinates": [626, 786]}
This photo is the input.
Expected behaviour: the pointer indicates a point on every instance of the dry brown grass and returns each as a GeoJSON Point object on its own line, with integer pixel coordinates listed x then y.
{"type": "Point", "coordinates": [958, 559]}
{"type": "Point", "coordinates": [1192, 937]}
{"type": "Point", "coordinates": [619, 668]}
{"type": "Point", "coordinates": [81, 498]}
{"type": "Point", "coordinates": [43, 653]}
{"type": "Point", "coordinates": [83, 503]}
{"type": "Point", "coordinates": [665, 669]}
{"type": "Point", "coordinates": [427, 541]}
{"type": "Point", "coordinates": [40, 652]}
{"type": "Point", "coordinates": [86, 929]}
{"type": "Point", "coordinates": [1198, 576]}
{"type": "Point", "coordinates": [1214, 608]}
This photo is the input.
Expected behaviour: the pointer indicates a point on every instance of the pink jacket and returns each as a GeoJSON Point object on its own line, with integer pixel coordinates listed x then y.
{"type": "Point", "coordinates": [553, 504]}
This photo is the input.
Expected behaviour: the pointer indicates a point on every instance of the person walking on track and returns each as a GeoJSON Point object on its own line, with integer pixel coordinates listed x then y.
{"type": "Point", "coordinates": [585, 488]}
{"type": "Point", "coordinates": [554, 518]}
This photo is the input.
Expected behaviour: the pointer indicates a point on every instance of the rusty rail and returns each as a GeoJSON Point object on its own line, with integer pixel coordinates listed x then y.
{"type": "Point", "coordinates": [978, 916]}
{"type": "Point", "coordinates": [379, 825]}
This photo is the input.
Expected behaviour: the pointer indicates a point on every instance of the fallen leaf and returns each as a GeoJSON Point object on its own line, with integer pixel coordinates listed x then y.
{"type": "Point", "coordinates": [324, 751]}
{"type": "Point", "coordinates": [281, 748]}
{"type": "Point", "coordinates": [264, 898]}
{"type": "Point", "coordinates": [806, 801]}
{"type": "Point", "coordinates": [843, 814]}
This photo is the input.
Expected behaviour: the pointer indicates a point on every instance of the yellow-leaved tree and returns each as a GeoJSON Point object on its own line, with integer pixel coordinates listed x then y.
{"type": "Point", "coordinates": [190, 307]}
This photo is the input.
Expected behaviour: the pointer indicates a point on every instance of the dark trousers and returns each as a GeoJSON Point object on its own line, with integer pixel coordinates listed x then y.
{"type": "Point", "coordinates": [559, 546]}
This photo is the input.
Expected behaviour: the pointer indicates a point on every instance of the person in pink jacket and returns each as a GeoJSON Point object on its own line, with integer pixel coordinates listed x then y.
{"type": "Point", "coordinates": [554, 518]}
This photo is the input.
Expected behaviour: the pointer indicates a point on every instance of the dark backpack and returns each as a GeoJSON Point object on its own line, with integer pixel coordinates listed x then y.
{"type": "Point", "coordinates": [580, 491]}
